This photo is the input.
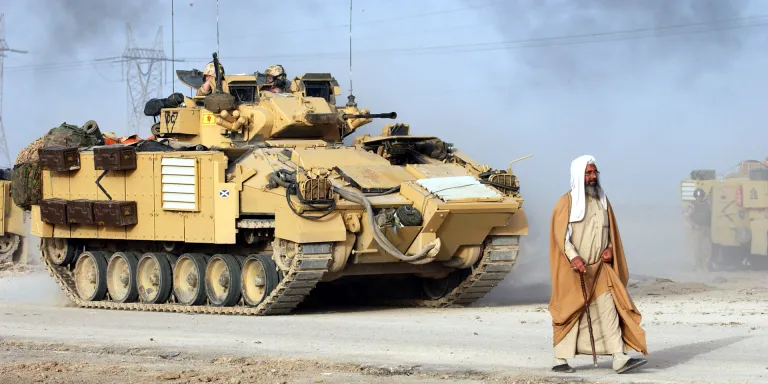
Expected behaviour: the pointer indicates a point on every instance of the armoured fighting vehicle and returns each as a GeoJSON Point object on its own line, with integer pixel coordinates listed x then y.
{"type": "Point", "coordinates": [13, 227]}
{"type": "Point", "coordinates": [728, 216]}
{"type": "Point", "coordinates": [246, 201]}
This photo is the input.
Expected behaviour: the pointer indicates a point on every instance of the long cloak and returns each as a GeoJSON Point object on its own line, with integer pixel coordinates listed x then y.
{"type": "Point", "coordinates": [566, 304]}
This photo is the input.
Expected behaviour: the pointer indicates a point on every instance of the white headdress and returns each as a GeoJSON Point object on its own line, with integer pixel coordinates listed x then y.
{"type": "Point", "coordinates": [578, 199]}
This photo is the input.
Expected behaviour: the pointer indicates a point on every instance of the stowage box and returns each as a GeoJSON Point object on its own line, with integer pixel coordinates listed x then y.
{"type": "Point", "coordinates": [117, 157]}
{"type": "Point", "coordinates": [80, 212]}
{"type": "Point", "coordinates": [115, 213]}
{"type": "Point", "coordinates": [58, 158]}
{"type": "Point", "coordinates": [54, 211]}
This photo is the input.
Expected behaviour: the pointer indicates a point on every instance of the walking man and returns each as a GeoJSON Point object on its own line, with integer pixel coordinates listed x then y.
{"type": "Point", "coordinates": [586, 258]}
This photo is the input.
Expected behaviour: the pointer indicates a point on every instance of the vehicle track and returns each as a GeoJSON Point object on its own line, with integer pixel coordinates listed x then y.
{"type": "Point", "coordinates": [306, 270]}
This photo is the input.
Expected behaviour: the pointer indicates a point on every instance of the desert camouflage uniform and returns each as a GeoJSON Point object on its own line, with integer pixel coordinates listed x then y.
{"type": "Point", "coordinates": [277, 71]}
{"type": "Point", "coordinates": [210, 76]}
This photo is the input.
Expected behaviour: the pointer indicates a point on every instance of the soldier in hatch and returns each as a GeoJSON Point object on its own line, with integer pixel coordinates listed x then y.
{"type": "Point", "coordinates": [209, 74]}
{"type": "Point", "coordinates": [276, 79]}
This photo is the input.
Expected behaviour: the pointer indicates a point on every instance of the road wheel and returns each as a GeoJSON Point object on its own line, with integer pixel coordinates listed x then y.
{"type": "Point", "coordinates": [222, 280]}
{"type": "Point", "coordinates": [9, 243]}
{"type": "Point", "coordinates": [121, 277]}
{"type": "Point", "coordinates": [154, 277]}
{"type": "Point", "coordinates": [259, 277]}
{"type": "Point", "coordinates": [59, 251]}
{"type": "Point", "coordinates": [434, 289]}
{"type": "Point", "coordinates": [189, 279]}
{"type": "Point", "coordinates": [91, 276]}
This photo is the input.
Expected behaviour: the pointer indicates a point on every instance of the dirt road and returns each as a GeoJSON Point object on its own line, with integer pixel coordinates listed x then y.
{"type": "Point", "coordinates": [714, 330]}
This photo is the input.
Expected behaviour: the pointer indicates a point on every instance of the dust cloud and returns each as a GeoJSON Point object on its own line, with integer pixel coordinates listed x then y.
{"type": "Point", "coordinates": [647, 88]}
{"type": "Point", "coordinates": [654, 242]}
{"type": "Point", "coordinates": [29, 283]}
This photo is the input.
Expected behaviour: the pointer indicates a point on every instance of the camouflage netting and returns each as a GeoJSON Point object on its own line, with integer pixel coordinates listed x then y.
{"type": "Point", "coordinates": [68, 135]}
{"type": "Point", "coordinates": [26, 185]}
{"type": "Point", "coordinates": [29, 154]}
{"type": "Point", "coordinates": [26, 179]}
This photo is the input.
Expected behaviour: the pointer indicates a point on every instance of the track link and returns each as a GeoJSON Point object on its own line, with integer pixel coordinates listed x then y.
{"type": "Point", "coordinates": [498, 258]}
{"type": "Point", "coordinates": [306, 270]}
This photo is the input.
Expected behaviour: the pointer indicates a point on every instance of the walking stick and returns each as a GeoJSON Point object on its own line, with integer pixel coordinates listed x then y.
{"type": "Point", "coordinates": [589, 318]}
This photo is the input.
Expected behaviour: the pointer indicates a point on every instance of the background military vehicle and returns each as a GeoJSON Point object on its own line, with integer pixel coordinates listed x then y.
{"type": "Point", "coordinates": [13, 225]}
{"type": "Point", "coordinates": [248, 200]}
{"type": "Point", "coordinates": [728, 216]}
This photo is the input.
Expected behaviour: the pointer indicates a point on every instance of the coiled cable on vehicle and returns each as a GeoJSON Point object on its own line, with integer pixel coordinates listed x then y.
{"type": "Point", "coordinates": [287, 179]}
{"type": "Point", "coordinates": [426, 255]}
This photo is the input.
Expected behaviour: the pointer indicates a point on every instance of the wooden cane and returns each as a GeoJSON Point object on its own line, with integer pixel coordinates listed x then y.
{"type": "Point", "coordinates": [589, 318]}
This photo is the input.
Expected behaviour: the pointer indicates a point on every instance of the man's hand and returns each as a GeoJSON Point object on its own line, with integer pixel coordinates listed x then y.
{"type": "Point", "coordinates": [578, 264]}
{"type": "Point", "coordinates": [607, 255]}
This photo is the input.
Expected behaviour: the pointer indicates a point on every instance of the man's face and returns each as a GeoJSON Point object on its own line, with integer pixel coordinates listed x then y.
{"type": "Point", "coordinates": [590, 175]}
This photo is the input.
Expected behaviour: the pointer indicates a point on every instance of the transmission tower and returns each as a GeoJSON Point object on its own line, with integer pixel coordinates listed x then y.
{"type": "Point", "coordinates": [3, 49]}
{"type": "Point", "coordinates": [144, 69]}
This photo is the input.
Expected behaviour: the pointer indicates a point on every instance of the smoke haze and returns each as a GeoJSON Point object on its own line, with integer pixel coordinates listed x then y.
{"type": "Point", "coordinates": [673, 92]}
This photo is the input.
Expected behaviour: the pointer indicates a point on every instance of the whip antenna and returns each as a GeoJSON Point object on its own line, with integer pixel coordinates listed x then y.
{"type": "Point", "coordinates": [173, 55]}
{"type": "Point", "coordinates": [351, 97]}
{"type": "Point", "coordinates": [217, 27]}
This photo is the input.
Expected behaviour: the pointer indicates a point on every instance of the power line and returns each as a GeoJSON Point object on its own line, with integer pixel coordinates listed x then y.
{"type": "Point", "coordinates": [340, 26]}
{"type": "Point", "coordinates": [143, 75]}
{"type": "Point", "coordinates": [3, 49]}
{"type": "Point", "coordinates": [528, 43]}
{"type": "Point", "coordinates": [608, 36]}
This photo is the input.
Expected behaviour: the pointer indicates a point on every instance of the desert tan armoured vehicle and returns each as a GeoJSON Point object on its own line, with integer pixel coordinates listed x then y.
{"type": "Point", "coordinates": [728, 216]}
{"type": "Point", "coordinates": [13, 228]}
{"type": "Point", "coordinates": [255, 202]}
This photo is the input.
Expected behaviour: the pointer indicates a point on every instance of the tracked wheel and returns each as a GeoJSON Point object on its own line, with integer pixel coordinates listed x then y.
{"type": "Point", "coordinates": [189, 279]}
{"type": "Point", "coordinates": [59, 251]}
{"type": "Point", "coordinates": [154, 277]}
{"type": "Point", "coordinates": [121, 277]}
{"type": "Point", "coordinates": [9, 244]}
{"type": "Point", "coordinates": [222, 280]}
{"type": "Point", "coordinates": [91, 275]}
{"type": "Point", "coordinates": [259, 277]}
{"type": "Point", "coordinates": [434, 289]}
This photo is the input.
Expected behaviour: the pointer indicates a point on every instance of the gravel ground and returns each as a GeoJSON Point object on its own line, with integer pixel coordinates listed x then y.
{"type": "Point", "coordinates": [700, 328]}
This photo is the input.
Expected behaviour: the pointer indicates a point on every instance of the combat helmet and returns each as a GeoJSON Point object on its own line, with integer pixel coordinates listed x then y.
{"type": "Point", "coordinates": [275, 71]}
{"type": "Point", "coordinates": [208, 71]}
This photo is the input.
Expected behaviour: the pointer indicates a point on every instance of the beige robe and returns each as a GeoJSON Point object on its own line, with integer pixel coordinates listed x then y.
{"type": "Point", "coordinates": [588, 238]}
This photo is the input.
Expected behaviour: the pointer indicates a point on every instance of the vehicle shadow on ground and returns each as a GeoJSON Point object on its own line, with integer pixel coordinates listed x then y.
{"type": "Point", "coordinates": [517, 294]}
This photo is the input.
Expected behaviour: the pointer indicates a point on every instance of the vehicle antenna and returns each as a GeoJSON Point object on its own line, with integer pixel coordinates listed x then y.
{"type": "Point", "coordinates": [217, 28]}
{"type": "Point", "coordinates": [351, 97]}
{"type": "Point", "coordinates": [173, 55]}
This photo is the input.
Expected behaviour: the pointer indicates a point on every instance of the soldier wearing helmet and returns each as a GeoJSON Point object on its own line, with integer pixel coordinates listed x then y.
{"type": "Point", "coordinates": [209, 74]}
{"type": "Point", "coordinates": [276, 79]}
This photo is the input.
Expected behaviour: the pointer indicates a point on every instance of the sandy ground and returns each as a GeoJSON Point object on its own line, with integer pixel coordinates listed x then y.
{"type": "Point", "coordinates": [705, 328]}
{"type": "Point", "coordinates": [700, 328]}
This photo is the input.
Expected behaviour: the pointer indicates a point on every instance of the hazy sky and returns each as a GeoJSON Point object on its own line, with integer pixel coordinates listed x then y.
{"type": "Point", "coordinates": [653, 89]}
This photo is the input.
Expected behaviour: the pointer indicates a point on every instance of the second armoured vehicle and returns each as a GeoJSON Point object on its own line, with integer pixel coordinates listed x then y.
{"type": "Point", "coordinates": [13, 226]}
{"type": "Point", "coordinates": [246, 201]}
{"type": "Point", "coordinates": [728, 216]}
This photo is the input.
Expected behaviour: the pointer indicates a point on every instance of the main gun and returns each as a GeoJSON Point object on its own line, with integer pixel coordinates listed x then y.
{"type": "Point", "coordinates": [390, 115]}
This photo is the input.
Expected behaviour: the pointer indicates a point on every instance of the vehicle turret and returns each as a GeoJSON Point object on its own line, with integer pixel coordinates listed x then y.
{"type": "Point", "coordinates": [244, 111]}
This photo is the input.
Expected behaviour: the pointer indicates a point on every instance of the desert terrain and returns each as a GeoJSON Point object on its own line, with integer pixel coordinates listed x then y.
{"type": "Point", "coordinates": [701, 328]}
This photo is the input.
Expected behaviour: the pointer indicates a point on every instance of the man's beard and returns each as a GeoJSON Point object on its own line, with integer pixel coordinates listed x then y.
{"type": "Point", "coordinates": [592, 189]}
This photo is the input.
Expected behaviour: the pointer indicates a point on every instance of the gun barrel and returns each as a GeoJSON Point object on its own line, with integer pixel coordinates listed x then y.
{"type": "Point", "coordinates": [216, 71]}
{"type": "Point", "coordinates": [390, 115]}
